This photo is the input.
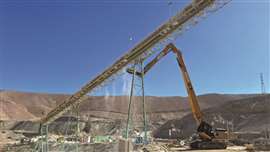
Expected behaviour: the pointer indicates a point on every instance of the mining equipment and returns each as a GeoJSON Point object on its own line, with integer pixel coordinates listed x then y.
{"type": "Point", "coordinates": [207, 136]}
{"type": "Point", "coordinates": [165, 32]}
{"type": "Point", "coordinates": [161, 34]}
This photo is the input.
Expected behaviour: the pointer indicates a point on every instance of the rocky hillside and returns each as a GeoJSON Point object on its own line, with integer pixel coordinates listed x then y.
{"type": "Point", "coordinates": [244, 115]}
{"type": "Point", "coordinates": [31, 106]}
{"type": "Point", "coordinates": [107, 115]}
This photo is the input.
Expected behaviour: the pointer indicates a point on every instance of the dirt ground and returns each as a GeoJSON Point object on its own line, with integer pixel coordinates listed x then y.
{"type": "Point", "coordinates": [216, 150]}
{"type": "Point", "coordinates": [9, 137]}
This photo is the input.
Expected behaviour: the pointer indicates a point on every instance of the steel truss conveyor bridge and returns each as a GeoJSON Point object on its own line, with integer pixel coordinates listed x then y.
{"type": "Point", "coordinates": [163, 35]}
{"type": "Point", "coordinates": [169, 30]}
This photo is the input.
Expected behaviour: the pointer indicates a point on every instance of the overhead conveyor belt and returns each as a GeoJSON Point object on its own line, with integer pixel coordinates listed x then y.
{"type": "Point", "coordinates": [150, 41]}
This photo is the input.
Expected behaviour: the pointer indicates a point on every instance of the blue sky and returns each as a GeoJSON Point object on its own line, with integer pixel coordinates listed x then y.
{"type": "Point", "coordinates": [58, 46]}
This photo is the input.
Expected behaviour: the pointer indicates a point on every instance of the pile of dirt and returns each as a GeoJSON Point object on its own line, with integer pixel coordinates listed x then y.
{"type": "Point", "coordinates": [245, 115]}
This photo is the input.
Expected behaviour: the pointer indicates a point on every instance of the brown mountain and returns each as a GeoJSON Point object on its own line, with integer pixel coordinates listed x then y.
{"type": "Point", "coordinates": [30, 106]}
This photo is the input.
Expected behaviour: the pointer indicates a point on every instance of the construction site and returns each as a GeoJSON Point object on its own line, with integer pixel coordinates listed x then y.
{"type": "Point", "coordinates": [93, 119]}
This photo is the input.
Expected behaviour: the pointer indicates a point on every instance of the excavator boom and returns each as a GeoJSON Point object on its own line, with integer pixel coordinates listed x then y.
{"type": "Point", "coordinates": [193, 101]}
{"type": "Point", "coordinates": [191, 93]}
{"type": "Point", "coordinates": [207, 134]}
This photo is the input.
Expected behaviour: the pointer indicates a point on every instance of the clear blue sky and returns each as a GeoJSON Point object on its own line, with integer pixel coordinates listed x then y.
{"type": "Point", "coordinates": [58, 46]}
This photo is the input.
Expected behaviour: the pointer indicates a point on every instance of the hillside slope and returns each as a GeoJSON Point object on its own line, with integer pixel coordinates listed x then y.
{"type": "Point", "coordinates": [249, 114]}
{"type": "Point", "coordinates": [29, 106]}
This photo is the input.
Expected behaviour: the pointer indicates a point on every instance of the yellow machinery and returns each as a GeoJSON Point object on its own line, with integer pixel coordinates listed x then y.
{"type": "Point", "coordinates": [209, 138]}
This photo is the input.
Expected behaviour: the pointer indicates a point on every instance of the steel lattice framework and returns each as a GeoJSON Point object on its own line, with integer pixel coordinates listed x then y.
{"type": "Point", "coordinates": [174, 24]}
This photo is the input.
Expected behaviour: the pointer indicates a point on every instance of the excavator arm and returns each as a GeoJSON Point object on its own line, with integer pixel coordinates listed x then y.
{"type": "Point", "coordinates": [191, 93]}
{"type": "Point", "coordinates": [205, 130]}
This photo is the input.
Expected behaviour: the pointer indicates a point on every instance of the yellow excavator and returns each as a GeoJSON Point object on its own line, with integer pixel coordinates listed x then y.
{"type": "Point", "coordinates": [208, 137]}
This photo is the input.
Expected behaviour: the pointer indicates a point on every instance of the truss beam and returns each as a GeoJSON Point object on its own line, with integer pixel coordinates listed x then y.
{"type": "Point", "coordinates": [163, 32]}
